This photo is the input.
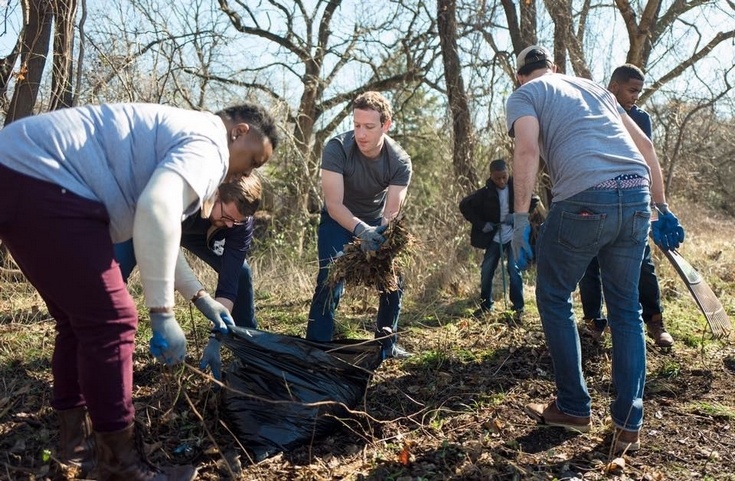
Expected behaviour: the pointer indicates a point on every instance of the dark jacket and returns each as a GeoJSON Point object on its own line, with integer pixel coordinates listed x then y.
{"type": "Point", "coordinates": [231, 245]}
{"type": "Point", "coordinates": [482, 206]}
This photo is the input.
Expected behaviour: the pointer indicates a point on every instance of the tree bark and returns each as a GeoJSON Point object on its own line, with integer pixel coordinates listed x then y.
{"type": "Point", "coordinates": [456, 94]}
{"type": "Point", "coordinates": [6, 71]}
{"type": "Point", "coordinates": [33, 52]}
{"type": "Point", "coordinates": [61, 78]}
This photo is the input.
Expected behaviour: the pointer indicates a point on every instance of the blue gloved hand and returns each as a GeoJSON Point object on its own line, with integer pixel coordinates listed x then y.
{"type": "Point", "coordinates": [168, 344]}
{"type": "Point", "coordinates": [215, 312]}
{"type": "Point", "coordinates": [666, 231]}
{"type": "Point", "coordinates": [521, 242]}
{"type": "Point", "coordinates": [488, 227]}
{"type": "Point", "coordinates": [211, 358]}
{"type": "Point", "coordinates": [370, 237]}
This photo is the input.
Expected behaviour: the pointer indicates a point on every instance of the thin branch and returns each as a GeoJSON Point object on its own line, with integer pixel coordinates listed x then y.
{"type": "Point", "coordinates": [679, 69]}
{"type": "Point", "coordinates": [236, 21]}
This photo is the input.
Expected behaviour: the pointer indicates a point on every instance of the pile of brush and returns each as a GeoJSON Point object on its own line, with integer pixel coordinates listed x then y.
{"type": "Point", "coordinates": [374, 269]}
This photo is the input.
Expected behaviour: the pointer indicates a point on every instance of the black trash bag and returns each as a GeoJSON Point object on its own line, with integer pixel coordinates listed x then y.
{"type": "Point", "coordinates": [272, 376]}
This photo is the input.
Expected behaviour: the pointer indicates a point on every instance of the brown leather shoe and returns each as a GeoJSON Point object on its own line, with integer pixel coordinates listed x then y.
{"type": "Point", "coordinates": [550, 415]}
{"type": "Point", "coordinates": [657, 331]}
{"type": "Point", "coordinates": [626, 441]}
{"type": "Point", "coordinates": [595, 327]}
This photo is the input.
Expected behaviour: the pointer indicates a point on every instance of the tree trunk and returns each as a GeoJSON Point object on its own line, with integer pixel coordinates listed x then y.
{"type": "Point", "coordinates": [6, 70]}
{"type": "Point", "coordinates": [33, 53]}
{"type": "Point", "coordinates": [456, 94]}
{"type": "Point", "coordinates": [566, 41]}
{"type": "Point", "coordinates": [640, 33]}
{"type": "Point", "coordinates": [521, 24]}
{"type": "Point", "coordinates": [61, 79]}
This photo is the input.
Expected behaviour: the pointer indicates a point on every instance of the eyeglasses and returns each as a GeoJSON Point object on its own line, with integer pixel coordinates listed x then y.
{"type": "Point", "coordinates": [226, 217]}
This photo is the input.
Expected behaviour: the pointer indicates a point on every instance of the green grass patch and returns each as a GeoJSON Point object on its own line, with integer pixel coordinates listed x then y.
{"type": "Point", "coordinates": [715, 410]}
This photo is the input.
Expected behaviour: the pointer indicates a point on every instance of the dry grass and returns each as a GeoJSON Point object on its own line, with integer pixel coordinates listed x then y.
{"type": "Point", "coordinates": [451, 412]}
{"type": "Point", "coordinates": [380, 268]}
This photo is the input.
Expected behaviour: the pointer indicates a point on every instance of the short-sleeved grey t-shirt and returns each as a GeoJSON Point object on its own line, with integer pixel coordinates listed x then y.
{"type": "Point", "coordinates": [108, 153]}
{"type": "Point", "coordinates": [366, 180]}
{"type": "Point", "coordinates": [582, 137]}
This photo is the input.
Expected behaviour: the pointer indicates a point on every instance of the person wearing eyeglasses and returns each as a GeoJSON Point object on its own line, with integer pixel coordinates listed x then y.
{"type": "Point", "coordinates": [222, 240]}
{"type": "Point", "coordinates": [72, 183]}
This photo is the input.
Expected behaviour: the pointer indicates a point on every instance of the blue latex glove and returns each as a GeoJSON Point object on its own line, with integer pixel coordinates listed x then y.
{"type": "Point", "coordinates": [211, 358]}
{"type": "Point", "coordinates": [666, 231]}
{"type": "Point", "coordinates": [215, 312]}
{"type": "Point", "coordinates": [521, 242]}
{"type": "Point", "coordinates": [488, 227]}
{"type": "Point", "coordinates": [168, 344]}
{"type": "Point", "coordinates": [370, 237]}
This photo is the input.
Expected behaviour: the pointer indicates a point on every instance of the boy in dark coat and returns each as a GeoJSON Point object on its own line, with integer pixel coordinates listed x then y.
{"type": "Point", "coordinates": [490, 210]}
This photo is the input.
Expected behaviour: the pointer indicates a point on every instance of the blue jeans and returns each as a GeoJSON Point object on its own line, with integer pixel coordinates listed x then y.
{"type": "Point", "coordinates": [243, 310]}
{"type": "Point", "coordinates": [612, 225]}
{"type": "Point", "coordinates": [331, 239]}
{"type": "Point", "coordinates": [487, 271]}
{"type": "Point", "coordinates": [649, 294]}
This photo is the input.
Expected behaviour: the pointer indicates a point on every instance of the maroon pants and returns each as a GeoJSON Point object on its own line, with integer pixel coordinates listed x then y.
{"type": "Point", "coordinates": [62, 244]}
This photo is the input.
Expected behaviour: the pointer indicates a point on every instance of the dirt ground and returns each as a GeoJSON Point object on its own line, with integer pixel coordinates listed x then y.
{"type": "Point", "coordinates": [452, 413]}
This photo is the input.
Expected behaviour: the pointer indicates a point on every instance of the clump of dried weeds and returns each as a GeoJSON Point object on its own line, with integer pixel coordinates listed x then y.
{"type": "Point", "coordinates": [379, 268]}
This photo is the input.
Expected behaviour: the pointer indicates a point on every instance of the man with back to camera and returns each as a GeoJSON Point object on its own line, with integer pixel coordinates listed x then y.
{"type": "Point", "coordinates": [605, 176]}
{"type": "Point", "coordinates": [626, 83]}
{"type": "Point", "coordinates": [365, 177]}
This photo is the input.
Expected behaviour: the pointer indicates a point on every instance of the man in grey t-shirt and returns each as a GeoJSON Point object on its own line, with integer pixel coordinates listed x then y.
{"type": "Point", "coordinates": [604, 173]}
{"type": "Point", "coordinates": [365, 177]}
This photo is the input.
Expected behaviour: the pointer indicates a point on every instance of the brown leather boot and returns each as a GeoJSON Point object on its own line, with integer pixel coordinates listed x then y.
{"type": "Point", "coordinates": [657, 331]}
{"type": "Point", "coordinates": [76, 443]}
{"type": "Point", "coordinates": [121, 458]}
{"type": "Point", "coordinates": [595, 327]}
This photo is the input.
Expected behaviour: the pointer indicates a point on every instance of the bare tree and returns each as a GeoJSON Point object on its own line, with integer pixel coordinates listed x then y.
{"type": "Point", "coordinates": [141, 51]}
{"type": "Point", "coordinates": [387, 49]}
{"type": "Point", "coordinates": [456, 95]}
{"type": "Point", "coordinates": [651, 28]}
{"type": "Point", "coordinates": [7, 63]}
{"type": "Point", "coordinates": [40, 18]}
{"type": "Point", "coordinates": [567, 45]}
{"type": "Point", "coordinates": [64, 13]}
{"type": "Point", "coordinates": [34, 46]}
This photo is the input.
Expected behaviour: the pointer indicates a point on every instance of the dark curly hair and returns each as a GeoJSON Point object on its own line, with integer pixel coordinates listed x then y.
{"type": "Point", "coordinates": [255, 116]}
